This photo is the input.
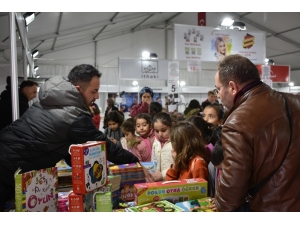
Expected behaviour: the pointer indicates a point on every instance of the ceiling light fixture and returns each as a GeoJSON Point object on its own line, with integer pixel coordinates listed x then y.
{"type": "Point", "coordinates": [238, 25]}
{"type": "Point", "coordinates": [153, 56]}
{"type": "Point", "coordinates": [227, 22]}
{"type": "Point", "coordinates": [145, 54]}
{"type": "Point", "coordinates": [182, 83]}
{"type": "Point", "coordinates": [269, 62]}
{"type": "Point", "coordinates": [35, 53]}
{"type": "Point", "coordinates": [28, 17]}
{"type": "Point", "coordinates": [135, 83]}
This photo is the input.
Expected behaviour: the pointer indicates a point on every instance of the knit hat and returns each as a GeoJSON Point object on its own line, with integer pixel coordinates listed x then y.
{"type": "Point", "coordinates": [146, 89]}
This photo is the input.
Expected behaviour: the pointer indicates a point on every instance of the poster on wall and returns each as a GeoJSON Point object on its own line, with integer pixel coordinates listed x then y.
{"type": "Point", "coordinates": [212, 45]}
{"type": "Point", "coordinates": [278, 73]}
{"type": "Point", "coordinates": [128, 100]}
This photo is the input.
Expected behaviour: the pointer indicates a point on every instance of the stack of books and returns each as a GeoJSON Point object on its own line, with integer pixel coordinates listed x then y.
{"type": "Point", "coordinates": [131, 174]}
{"type": "Point", "coordinates": [64, 172]}
{"type": "Point", "coordinates": [115, 181]}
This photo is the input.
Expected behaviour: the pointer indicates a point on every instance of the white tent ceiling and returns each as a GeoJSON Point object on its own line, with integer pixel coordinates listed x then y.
{"type": "Point", "coordinates": [59, 31]}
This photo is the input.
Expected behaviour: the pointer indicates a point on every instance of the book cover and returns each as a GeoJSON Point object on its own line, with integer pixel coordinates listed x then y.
{"type": "Point", "coordinates": [104, 202]}
{"type": "Point", "coordinates": [160, 206]}
{"type": "Point", "coordinates": [89, 166]}
{"type": "Point", "coordinates": [128, 172]}
{"type": "Point", "coordinates": [151, 166]}
{"type": "Point", "coordinates": [36, 191]}
{"type": "Point", "coordinates": [199, 205]}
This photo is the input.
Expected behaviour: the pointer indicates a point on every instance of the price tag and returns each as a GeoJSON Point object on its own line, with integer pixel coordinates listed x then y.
{"type": "Point", "coordinates": [194, 66]}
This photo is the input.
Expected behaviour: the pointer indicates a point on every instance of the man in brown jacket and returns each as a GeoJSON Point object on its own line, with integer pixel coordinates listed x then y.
{"type": "Point", "coordinates": [255, 139]}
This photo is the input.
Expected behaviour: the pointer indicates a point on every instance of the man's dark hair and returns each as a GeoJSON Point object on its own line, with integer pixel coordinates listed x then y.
{"type": "Point", "coordinates": [8, 80]}
{"type": "Point", "coordinates": [238, 69]}
{"type": "Point", "coordinates": [83, 74]}
{"type": "Point", "coordinates": [217, 154]}
{"type": "Point", "coordinates": [28, 83]}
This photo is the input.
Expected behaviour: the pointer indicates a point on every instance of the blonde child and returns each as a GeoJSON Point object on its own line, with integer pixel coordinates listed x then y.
{"type": "Point", "coordinates": [143, 151]}
{"type": "Point", "coordinates": [189, 153]}
{"type": "Point", "coordinates": [130, 140]}
{"type": "Point", "coordinates": [161, 149]}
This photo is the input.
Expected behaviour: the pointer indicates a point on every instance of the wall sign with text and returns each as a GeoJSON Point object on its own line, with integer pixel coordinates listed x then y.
{"type": "Point", "coordinates": [278, 73]}
{"type": "Point", "coordinates": [138, 69]}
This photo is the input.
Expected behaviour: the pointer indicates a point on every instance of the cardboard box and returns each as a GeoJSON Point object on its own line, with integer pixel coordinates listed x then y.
{"type": "Point", "coordinates": [172, 191]}
{"type": "Point", "coordinates": [128, 190]}
{"type": "Point", "coordinates": [81, 203]}
{"type": "Point", "coordinates": [103, 202]}
{"type": "Point", "coordinates": [160, 206]}
{"type": "Point", "coordinates": [89, 166]}
{"type": "Point", "coordinates": [116, 195]}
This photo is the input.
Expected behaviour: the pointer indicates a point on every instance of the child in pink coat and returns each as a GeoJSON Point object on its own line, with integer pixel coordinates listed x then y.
{"type": "Point", "coordinates": [143, 151]}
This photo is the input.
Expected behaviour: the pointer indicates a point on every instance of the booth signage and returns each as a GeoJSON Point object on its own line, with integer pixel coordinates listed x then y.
{"type": "Point", "coordinates": [278, 73]}
{"type": "Point", "coordinates": [138, 69]}
{"type": "Point", "coordinates": [212, 45]}
{"type": "Point", "coordinates": [173, 77]}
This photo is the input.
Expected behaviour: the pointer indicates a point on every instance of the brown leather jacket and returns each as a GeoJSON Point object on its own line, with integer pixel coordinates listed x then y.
{"type": "Point", "coordinates": [255, 138]}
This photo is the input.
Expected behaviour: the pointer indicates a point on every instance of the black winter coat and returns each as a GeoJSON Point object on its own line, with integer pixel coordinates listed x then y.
{"type": "Point", "coordinates": [6, 106]}
{"type": "Point", "coordinates": [42, 136]}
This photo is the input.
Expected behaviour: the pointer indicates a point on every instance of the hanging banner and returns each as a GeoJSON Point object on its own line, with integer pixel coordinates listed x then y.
{"type": "Point", "coordinates": [212, 45]}
{"type": "Point", "coordinates": [201, 18]}
{"type": "Point", "coordinates": [193, 66]}
{"type": "Point", "coordinates": [138, 69]}
{"type": "Point", "coordinates": [278, 73]}
{"type": "Point", "coordinates": [173, 77]}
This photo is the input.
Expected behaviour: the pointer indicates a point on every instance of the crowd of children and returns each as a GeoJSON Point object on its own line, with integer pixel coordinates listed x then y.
{"type": "Point", "coordinates": [185, 149]}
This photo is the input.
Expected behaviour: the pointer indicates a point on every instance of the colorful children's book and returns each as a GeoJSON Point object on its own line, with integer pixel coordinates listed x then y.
{"type": "Point", "coordinates": [151, 166]}
{"type": "Point", "coordinates": [199, 205]}
{"type": "Point", "coordinates": [89, 166]}
{"type": "Point", "coordinates": [103, 202]}
{"type": "Point", "coordinates": [160, 206]}
{"type": "Point", "coordinates": [128, 172]}
{"type": "Point", "coordinates": [36, 191]}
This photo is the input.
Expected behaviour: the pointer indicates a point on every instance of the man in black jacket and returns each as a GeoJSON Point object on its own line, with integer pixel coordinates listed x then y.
{"type": "Point", "coordinates": [27, 92]}
{"type": "Point", "coordinates": [42, 136]}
